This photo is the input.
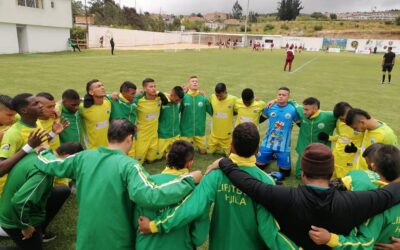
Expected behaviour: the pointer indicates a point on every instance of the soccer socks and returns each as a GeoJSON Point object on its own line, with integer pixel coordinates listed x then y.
{"type": "Point", "coordinates": [383, 78]}
{"type": "Point", "coordinates": [390, 77]}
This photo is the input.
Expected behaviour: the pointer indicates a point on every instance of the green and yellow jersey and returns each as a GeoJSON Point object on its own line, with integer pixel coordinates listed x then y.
{"type": "Point", "coordinates": [222, 118]}
{"type": "Point", "coordinates": [96, 122]}
{"type": "Point", "coordinates": [148, 112]}
{"type": "Point", "coordinates": [169, 121]}
{"type": "Point", "coordinates": [250, 113]}
{"type": "Point", "coordinates": [47, 125]}
{"type": "Point", "coordinates": [72, 133]}
{"type": "Point", "coordinates": [123, 109]}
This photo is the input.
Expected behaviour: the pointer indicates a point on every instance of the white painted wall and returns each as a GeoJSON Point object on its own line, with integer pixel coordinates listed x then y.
{"type": "Point", "coordinates": [47, 39]}
{"type": "Point", "coordinates": [8, 39]}
{"type": "Point", "coordinates": [130, 38]}
{"type": "Point", "coordinates": [59, 16]}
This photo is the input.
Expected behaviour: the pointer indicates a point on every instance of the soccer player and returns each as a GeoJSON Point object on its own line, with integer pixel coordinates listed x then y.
{"type": "Point", "coordinates": [374, 131]}
{"type": "Point", "coordinates": [276, 144]}
{"type": "Point", "coordinates": [70, 112]}
{"type": "Point", "coordinates": [95, 115]}
{"type": "Point", "coordinates": [193, 116]}
{"type": "Point", "coordinates": [24, 212]}
{"type": "Point", "coordinates": [109, 184]}
{"type": "Point", "coordinates": [169, 122]}
{"type": "Point", "coordinates": [148, 112]}
{"type": "Point", "coordinates": [222, 120]}
{"type": "Point", "coordinates": [237, 222]}
{"type": "Point", "coordinates": [385, 161]}
{"type": "Point", "coordinates": [7, 114]}
{"type": "Point", "coordinates": [22, 136]}
{"type": "Point", "coordinates": [387, 64]}
{"type": "Point", "coordinates": [179, 161]}
{"type": "Point", "coordinates": [344, 162]}
{"type": "Point", "coordinates": [125, 107]}
{"type": "Point", "coordinates": [313, 122]}
{"type": "Point", "coordinates": [289, 58]}
{"type": "Point", "coordinates": [315, 203]}
{"type": "Point", "coordinates": [248, 109]}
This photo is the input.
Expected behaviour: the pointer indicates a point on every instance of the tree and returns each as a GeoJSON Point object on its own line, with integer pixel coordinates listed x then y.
{"type": "Point", "coordinates": [77, 9]}
{"type": "Point", "coordinates": [237, 10]}
{"type": "Point", "coordinates": [319, 16]}
{"type": "Point", "coordinates": [253, 17]}
{"type": "Point", "coordinates": [130, 17]}
{"type": "Point", "coordinates": [199, 14]}
{"type": "Point", "coordinates": [333, 16]}
{"type": "Point", "coordinates": [397, 21]}
{"type": "Point", "coordinates": [289, 9]}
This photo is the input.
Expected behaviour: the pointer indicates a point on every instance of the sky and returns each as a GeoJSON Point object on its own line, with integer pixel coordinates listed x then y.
{"type": "Point", "coordinates": [183, 7]}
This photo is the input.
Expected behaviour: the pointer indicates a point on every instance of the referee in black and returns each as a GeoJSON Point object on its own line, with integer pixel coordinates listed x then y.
{"type": "Point", "coordinates": [387, 64]}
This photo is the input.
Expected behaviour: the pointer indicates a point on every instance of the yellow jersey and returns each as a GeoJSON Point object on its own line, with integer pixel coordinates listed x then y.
{"type": "Point", "coordinates": [222, 119]}
{"type": "Point", "coordinates": [381, 134]}
{"type": "Point", "coordinates": [250, 113]}
{"type": "Point", "coordinates": [148, 112]}
{"type": "Point", "coordinates": [95, 121]}
{"type": "Point", "coordinates": [48, 126]}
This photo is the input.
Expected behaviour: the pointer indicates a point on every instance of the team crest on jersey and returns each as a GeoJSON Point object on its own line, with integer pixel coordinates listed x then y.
{"type": "Point", "coordinates": [321, 125]}
{"type": "Point", "coordinates": [288, 116]}
{"type": "Point", "coordinates": [159, 104]}
{"type": "Point", "coordinates": [273, 114]}
{"type": "Point", "coordinates": [200, 104]}
{"type": "Point", "coordinates": [356, 132]}
{"type": "Point", "coordinates": [6, 147]}
{"type": "Point", "coordinates": [108, 111]}
{"type": "Point", "coordinates": [373, 140]}
{"type": "Point", "coordinates": [230, 106]}
{"type": "Point", "coordinates": [255, 110]}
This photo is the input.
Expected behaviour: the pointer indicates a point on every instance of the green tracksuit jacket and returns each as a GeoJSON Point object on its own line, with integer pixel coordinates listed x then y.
{"type": "Point", "coordinates": [194, 107]}
{"type": "Point", "coordinates": [72, 133]}
{"type": "Point", "coordinates": [122, 109]}
{"type": "Point", "coordinates": [183, 238]}
{"type": "Point", "coordinates": [237, 222]}
{"type": "Point", "coordinates": [378, 229]}
{"type": "Point", "coordinates": [109, 183]}
{"type": "Point", "coordinates": [25, 194]}
{"type": "Point", "coordinates": [322, 121]}
{"type": "Point", "coordinates": [168, 122]}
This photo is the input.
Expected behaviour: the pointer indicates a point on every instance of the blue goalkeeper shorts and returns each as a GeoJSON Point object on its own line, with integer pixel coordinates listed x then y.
{"type": "Point", "coordinates": [266, 156]}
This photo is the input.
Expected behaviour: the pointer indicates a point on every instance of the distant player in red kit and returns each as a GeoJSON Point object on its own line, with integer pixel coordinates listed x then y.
{"type": "Point", "coordinates": [289, 58]}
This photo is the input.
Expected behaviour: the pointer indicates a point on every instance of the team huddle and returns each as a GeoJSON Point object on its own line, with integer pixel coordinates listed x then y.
{"type": "Point", "coordinates": [98, 145]}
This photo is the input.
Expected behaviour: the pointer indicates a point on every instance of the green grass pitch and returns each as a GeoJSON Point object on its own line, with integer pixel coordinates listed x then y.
{"type": "Point", "coordinates": [329, 77]}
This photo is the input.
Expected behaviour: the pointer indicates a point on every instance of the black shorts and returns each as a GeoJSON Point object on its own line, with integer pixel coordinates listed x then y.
{"type": "Point", "coordinates": [387, 67]}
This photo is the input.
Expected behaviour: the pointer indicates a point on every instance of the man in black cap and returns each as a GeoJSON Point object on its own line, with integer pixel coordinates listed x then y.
{"type": "Point", "coordinates": [315, 203]}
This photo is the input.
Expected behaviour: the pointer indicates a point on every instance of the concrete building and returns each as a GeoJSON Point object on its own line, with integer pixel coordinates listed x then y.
{"type": "Point", "coordinates": [28, 26]}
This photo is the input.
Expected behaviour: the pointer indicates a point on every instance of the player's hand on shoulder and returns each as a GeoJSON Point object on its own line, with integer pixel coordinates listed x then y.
{"type": "Point", "coordinates": [197, 175]}
{"type": "Point", "coordinates": [214, 165]}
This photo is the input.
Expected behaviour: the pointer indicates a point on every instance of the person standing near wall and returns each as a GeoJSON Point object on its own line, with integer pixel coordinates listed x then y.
{"type": "Point", "coordinates": [112, 43]}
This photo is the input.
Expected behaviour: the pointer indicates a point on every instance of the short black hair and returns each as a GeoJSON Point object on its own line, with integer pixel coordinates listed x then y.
{"type": "Point", "coordinates": [340, 109]}
{"type": "Point", "coordinates": [178, 90]}
{"type": "Point", "coordinates": [20, 101]}
{"type": "Point", "coordinates": [6, 101]}
{"type": "Point", "coordinates": [245, 139]}
{"type": "Point", "coordinates": [119, 129]}
{"type": "Point", "coordinates": [353, 114]}
{"type": "Point", "coordinates": [88, 100]}
{"type": "Point", "coordinates": [46, 95]}
{"type": "Point", "coordinates": [369, 151]}
{"type": "Point", "coordinates": [284, 88]}
{"type": "Point", "coordinates": [69, 148]}
{"type": "Point", "coordinates": [312, 101]}
{"type": "Point", "coordinates": [387, 161]}
{"type": "Point", "coordinates": [127, 85]}
{"type": "Point", "coordinates": [180, 153]}
{"type": "Point", "coordinates": [70, 94]}
{"type": "Point", "coordinates": [193, 77]}
{"type": "Point", "coordinates": [247, 95]}
{"type": "Point", "coordinates": [146, 81]}
{"type": "Point", "coordinates": [220, 88]}
{"type": "Point", "coordinates": [390, 48]}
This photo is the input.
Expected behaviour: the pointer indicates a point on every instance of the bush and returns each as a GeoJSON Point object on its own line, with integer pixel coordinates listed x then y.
{"type": "Point", "coordinates": [341, 23]}
{"type": "Point", "coordinates": [388, 22]}
{"type": "Point", "coordinates": [242, 28]}
{"type": "Point", "coordinates": [284, 27]}
{"type": "Point", "coordinates": [318, 27]}
{"type": "Point", "coordinates": [269, 26]}
{"type": "Point", "coordinates": [77, 32]}
{"type": "Point", "coordinates": [397, 21]}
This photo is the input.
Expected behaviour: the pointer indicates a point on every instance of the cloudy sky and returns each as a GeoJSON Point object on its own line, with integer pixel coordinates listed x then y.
{"type": "Point", "coordinates": [261, 6]}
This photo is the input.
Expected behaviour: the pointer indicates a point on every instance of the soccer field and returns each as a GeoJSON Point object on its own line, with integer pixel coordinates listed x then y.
{"type": "Point", "coordinates": [329, 77]}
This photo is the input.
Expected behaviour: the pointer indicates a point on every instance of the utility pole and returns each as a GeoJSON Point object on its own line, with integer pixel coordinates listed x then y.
{"type": "Point", "coordinates": [87, 27]}
{"type": "Point", "coordinates": [245, 26]}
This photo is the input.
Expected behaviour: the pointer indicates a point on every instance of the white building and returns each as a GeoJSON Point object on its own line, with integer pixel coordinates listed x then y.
{"type": "Point", "coordinates": [28, 26]}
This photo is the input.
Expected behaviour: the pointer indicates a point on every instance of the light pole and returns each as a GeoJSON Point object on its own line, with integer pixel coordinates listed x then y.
{"type": "Point", "coordinates": [245, 25]}
{"type": "Point", "coordinates": [87, 27]}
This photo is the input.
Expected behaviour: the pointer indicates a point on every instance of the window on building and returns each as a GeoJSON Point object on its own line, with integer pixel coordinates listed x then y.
{"type": "Point", "coordinates": [31, 3]}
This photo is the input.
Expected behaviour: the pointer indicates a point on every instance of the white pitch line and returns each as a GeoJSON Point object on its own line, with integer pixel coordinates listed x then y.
{"type": "Point", "coordinates": [305, 64]}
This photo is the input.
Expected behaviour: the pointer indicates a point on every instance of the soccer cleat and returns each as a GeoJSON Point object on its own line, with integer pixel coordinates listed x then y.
{"type": "Point", "coordinates": [47, 237]}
